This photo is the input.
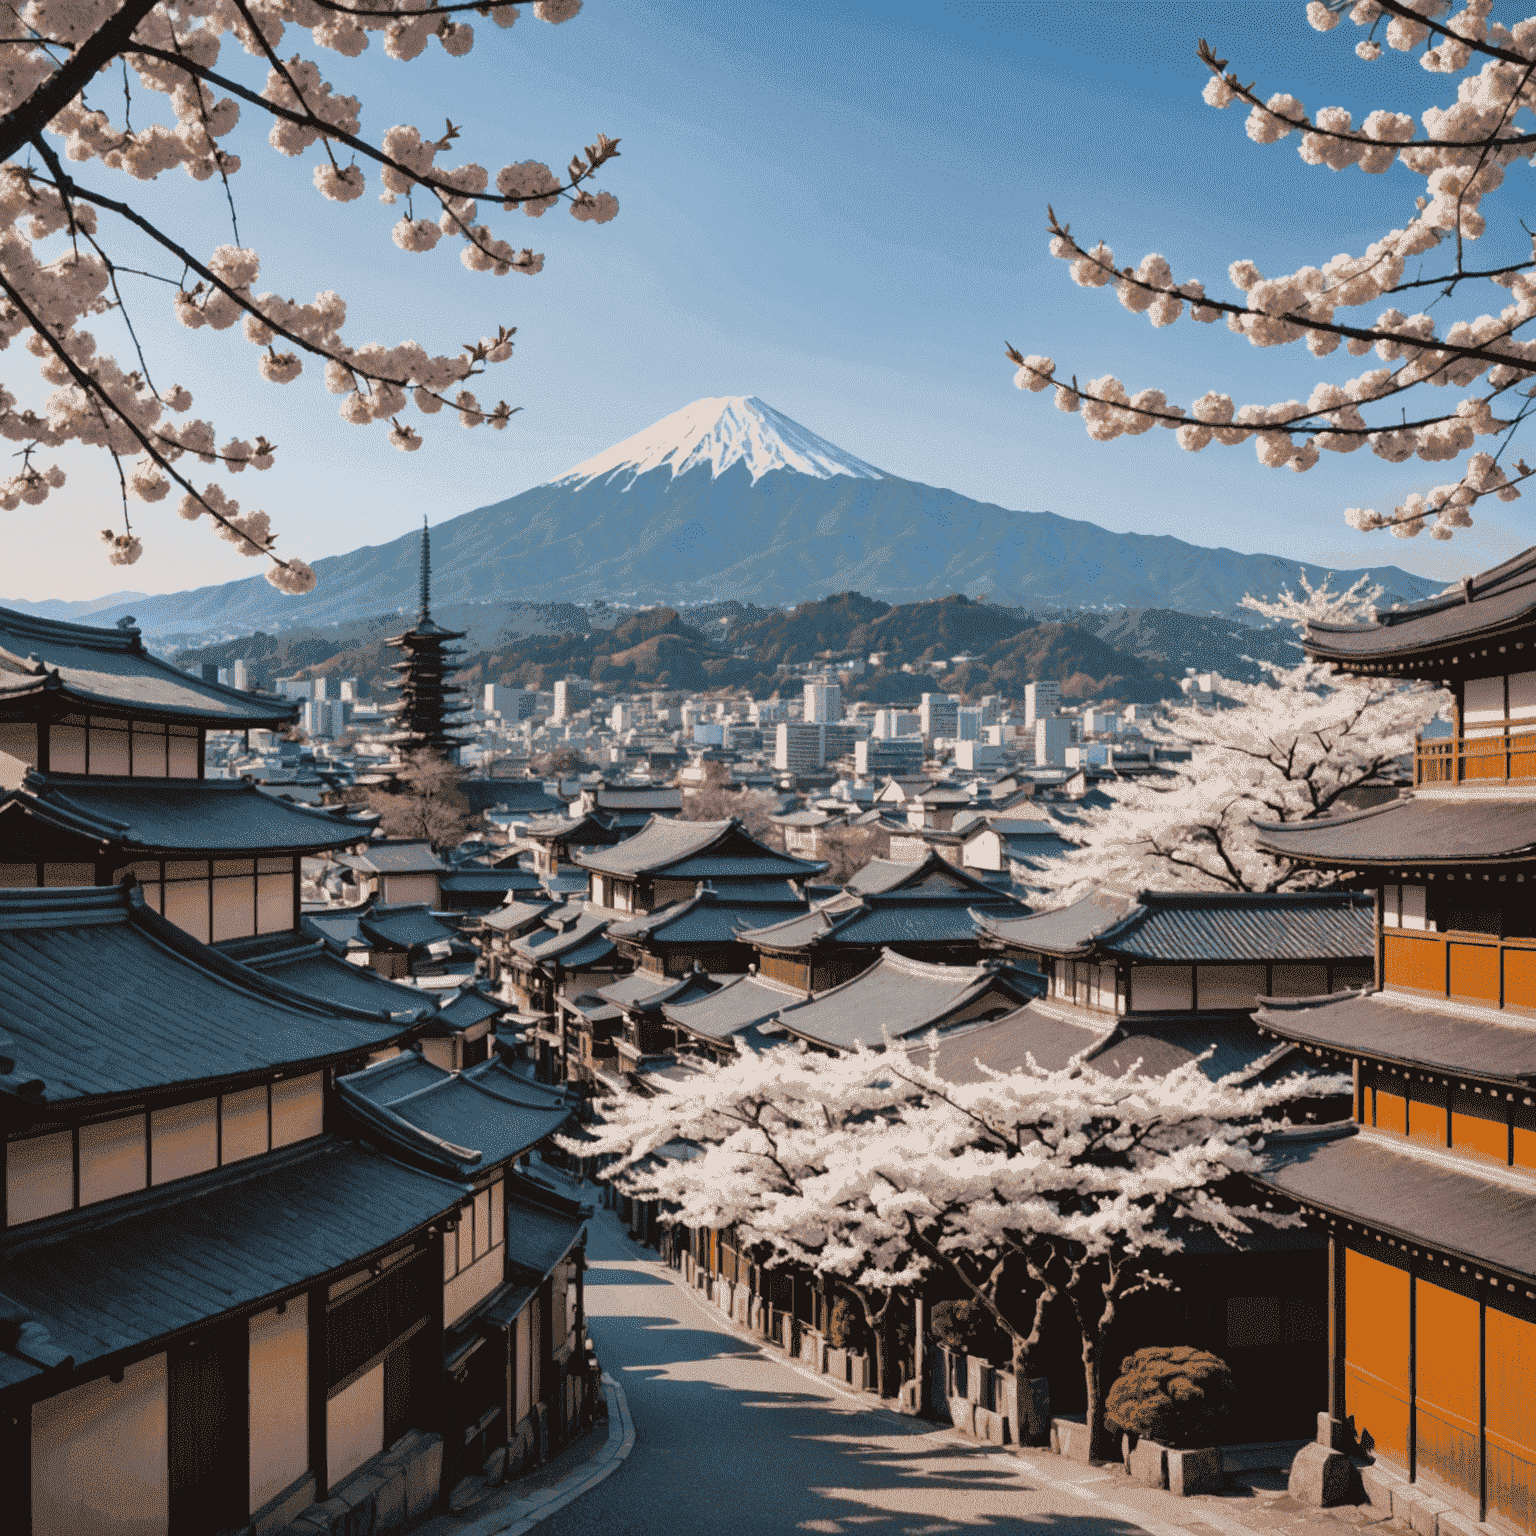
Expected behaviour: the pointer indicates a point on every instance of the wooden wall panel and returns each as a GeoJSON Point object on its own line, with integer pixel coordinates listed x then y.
{"type": "Point", "coordinates": [1414, 962]}
{"type": "Point", "coordinates": [1427, 1112]}
{"type": "Point", "coordinates": [1511, 1346]}
{"type": "Point", "coordinates": [1376, 1352]}
{"type": "Point", "coordinates": [1447, 1387]}
{"type": "Point", "coordinates": [1474, 971]}
{"type": "Point", "coordinates": [1520, 978]}
{"type": "Point", "coordinates": [1391, 1111]}
{"type": "Point", "coordinates": [1480, 1125]}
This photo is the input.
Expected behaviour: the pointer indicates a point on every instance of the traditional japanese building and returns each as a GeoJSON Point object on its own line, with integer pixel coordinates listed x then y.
{"type": "Point", "coordinates": [428, 708]}
{"type": "Point", "coordinates": [1429, 1198]}
{"type": "Point", "coordinates": [930, 910]}
{"type": "Point", "coordinates": [101, 750]}
{"type": "Point", "coordinates": [902, 998]}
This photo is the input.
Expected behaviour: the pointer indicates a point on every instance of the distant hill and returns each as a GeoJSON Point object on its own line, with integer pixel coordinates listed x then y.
{"type": "Point", "coordinates": [729, 500]}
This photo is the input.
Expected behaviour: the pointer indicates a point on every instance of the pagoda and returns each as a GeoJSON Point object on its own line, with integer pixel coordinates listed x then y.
{"type": "Point", "coordinates": [1429, 1196]}
{"type": "Point", "coordinates": [427, 709]}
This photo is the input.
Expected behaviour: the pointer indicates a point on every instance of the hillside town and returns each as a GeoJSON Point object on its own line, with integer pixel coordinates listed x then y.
{"type": "Point", "coordinates": [456, 985]}
{"type": "Point", "coordinates": [642, 971]}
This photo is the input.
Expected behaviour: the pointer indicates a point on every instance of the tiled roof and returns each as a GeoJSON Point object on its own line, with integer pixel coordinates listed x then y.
{"type": "Point", "coordinates": [477, 880]}
{"type": "Point", "coordinates": [179, 816]}
{"type": "Point", "coordinates": [695, 850]}
{"type": "Point", "coordinates": [1388, 1027]}
{"type": "Point", "coordinates": [464, 1121]}
{"type": "Point", "coordinates": [900, 918]}
{"type": "Point", "coordinates": [638, 986]}
{"type": "Point", "coordinates": [388, 858]}
{"type": "Point", "coordinates": [1210, 926]}
{"type": "Point", "coordinates": [1390, 1184]}
{"type": "Point", "coordinates": [711, 917]}
{"type": "Point", "coordinates": [933, 871]}
{"type": "Point", "coordinates": [78, 663]}
{"type": "Point", "coordinates": [565, 929]}
{"type": "Point", "coordinates": [542, 1227]}
{"type": "Point", "coordinates": [99, 995]}
{"type": "Point", "coordinates": [1067, 929]}
{"type": "Point", "coordinates": [522, 797]}
{"type": "Point", "coordinates": [1050, 1036]}
{"type": "Point", "coordinates": [1479, 609]}
{"type": "Point", "coordinates": [596, 948]}
{"type": "Point", "coordinates": [900, 996]}
{"type": "Point", "coordinates": [110, 1278]}
{"type": "Point", "coordinates": [516, 914]}
{"type": "Point", "coordinates": [1413, 829]}
{"type": "Point", "coordinates": [741, 1002]}
{"type": "Point", "coordinates": [405, 925]}
{"type": "Point", "coordinates": [637, 797]}
{"type": "Point", "coordinates": [308, 966]}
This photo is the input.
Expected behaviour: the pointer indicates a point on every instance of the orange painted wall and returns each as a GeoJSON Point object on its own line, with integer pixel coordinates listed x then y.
{"type": "Point", "coordinates": [1520, 978]}
{"type": "Point", "coordinates": [1414, 962]}
{"type": "Point", "coordinates": [1447, 1387]}
{"type": "Point", "coordinates": [1391, 1111]}
{"type": "Point", "coordinates": [1479, 1125]}
{"type": "Point", "coordinates": [1511, 1344]}
{"type": "Point", "coordinates": [1475, 971]}
{"type": "Point", "coordinates": [1426, 1113]}
{"type": "Point", "coordinates": [1376, 1352]}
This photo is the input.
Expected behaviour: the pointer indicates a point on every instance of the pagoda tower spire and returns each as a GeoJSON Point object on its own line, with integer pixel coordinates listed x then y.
{"type": "Point", "coordinates": [427, 708]}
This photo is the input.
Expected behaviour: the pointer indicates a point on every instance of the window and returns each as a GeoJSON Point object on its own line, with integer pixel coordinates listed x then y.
{"type": "Point", "coordinates": [1391, 906]}
{"type": "Point", "coordinates": [1414, 905]}
{"type": "Point", "coordinates": [1229, 986]}
{"type": "Point", "coordinates": [298, 1109]}
{"type": "Point", "coordinates": [148, 750]}
{"type": "Point", "coordinates": [108, 749]}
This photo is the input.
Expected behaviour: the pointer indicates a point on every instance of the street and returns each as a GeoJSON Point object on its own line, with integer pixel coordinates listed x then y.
{"type": "Point", "coordinates": [731, 1438]}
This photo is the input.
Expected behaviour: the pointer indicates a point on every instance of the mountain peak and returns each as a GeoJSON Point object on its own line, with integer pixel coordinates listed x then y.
{"type": "Point", "coordinates": [720, 432]}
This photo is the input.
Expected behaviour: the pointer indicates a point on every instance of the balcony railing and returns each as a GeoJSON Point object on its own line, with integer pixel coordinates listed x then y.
{"type": "Point", "coordinates": [1508, 753]}
{"type": "Point", "coordinates": [1467, 967]}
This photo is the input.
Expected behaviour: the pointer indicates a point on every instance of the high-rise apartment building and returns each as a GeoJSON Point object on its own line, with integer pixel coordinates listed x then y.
{"type": "Point", "coordinates": [1040, 700]}
{"type": "Point", "coordinates": [823, 702]}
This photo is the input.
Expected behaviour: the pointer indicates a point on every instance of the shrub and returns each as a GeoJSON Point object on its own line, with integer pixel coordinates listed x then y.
{"type": "Point", "coordinates": [1172, 1393]}
{"type": "Point", "coordinates": [967, 1327]}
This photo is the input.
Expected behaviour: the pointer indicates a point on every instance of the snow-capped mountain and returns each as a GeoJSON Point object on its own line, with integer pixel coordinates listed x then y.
{"type": "Point", "coordinates": [733, 429]}
{"type": "Point", "coordinates": [729, 498]}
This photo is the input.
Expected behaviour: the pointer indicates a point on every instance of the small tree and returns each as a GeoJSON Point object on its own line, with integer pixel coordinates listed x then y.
{"type": "Point", "coordinates": [560, 760]}
{"type": "Point", "coordinates": [1172, 1393]}
{"type": "Point", "coordinates": [427, 806]}
{"type": "Point", "coordinates": [718, 799]}
{"type": "Point", "coordinates": [847, 850]}
{"type": "Point", "coordinates": [1290, 747]}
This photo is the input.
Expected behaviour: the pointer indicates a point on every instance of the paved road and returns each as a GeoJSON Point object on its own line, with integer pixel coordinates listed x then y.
{"type": "Point", "coordinates": [733, 1441]}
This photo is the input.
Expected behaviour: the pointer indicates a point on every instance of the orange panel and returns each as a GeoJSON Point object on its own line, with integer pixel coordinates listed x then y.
{"type": "Point", "coordinates": [1475, 971]}
{"type": "Point", "coordinates": [1426, 1118]}
{"type": "Point", "coordinates": [1520, 978]}
{"type": "Point", "coordinates": [1446, 1325]}
{"type": "Point", "coordinates": [1522, 758]}
{"type": "Point", "coordinates": [1415, 962]}
{"type": "Point", "coordinates": [1480, 1126]}
{"type": "Point", "coordinates": [1524, 1118]}
{"type": "Point", "coordinates": [1485, 758]}
{"type": "Point", "coordinates": [1376, 1318]}
{"type": "Point", "coordinates": [1391, 1112]}
{"type": "Point", "coordinates": [1511, 1418]}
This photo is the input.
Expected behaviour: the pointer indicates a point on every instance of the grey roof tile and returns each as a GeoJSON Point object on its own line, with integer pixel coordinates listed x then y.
{"type": "Point", "coordinates": [180, 816]}
{"type": "Point", "coordinates": [309, 967]}
{"type": "Point", "coordinates": [695, 850]}
{"type": "Point", "coordinates": [1413, 829]}
{"type": "Point", "coordinates": [1388, 1184]}
{"type": "Point", "coordinates": [82, 664]}
{"type": "Point", "coordinates": [741, 1003]}
{"type": "Point", "coordinates": [99, 995]}
{"type": "Point", "coordinates": [1389, 1028]}
{"type": "Point", "coordinates": [405, 925]}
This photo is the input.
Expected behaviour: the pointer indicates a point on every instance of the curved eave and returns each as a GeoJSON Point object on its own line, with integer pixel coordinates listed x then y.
{"type": "Point", "coordinates": [29, 690]}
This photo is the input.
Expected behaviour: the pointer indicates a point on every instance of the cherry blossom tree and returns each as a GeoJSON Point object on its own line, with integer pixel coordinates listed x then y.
{"type": "Point", "coordinates": [78, 80]}
{"type": "Point", "coordinates": [1290, 747]}
{"type": "Point", "coordinates": [1462, 158]}
{"type": "Point", "coordinates": [871, 1168]}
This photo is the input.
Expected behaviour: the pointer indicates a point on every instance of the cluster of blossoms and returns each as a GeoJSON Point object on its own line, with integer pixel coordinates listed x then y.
{"type": "Point", "coordinates": [1462, 158]}
{"type": "Point", "coordinates": [57, 270]}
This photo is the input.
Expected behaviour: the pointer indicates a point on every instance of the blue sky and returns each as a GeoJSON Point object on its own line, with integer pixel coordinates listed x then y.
{"type": "Point", "coordinates": [839, 208]}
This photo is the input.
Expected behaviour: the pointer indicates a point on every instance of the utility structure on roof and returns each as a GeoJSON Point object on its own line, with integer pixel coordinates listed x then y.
{"type": "Point", "coordinates": [427, 709]}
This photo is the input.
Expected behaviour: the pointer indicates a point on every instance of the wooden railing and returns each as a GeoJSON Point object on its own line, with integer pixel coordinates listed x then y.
{"type": "Point", "coordinates": [1509, 754]}
{"type": "Point", "coordinates": [1475, 968]}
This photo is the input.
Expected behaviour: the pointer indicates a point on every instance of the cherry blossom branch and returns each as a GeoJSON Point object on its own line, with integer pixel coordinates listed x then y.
{"type": "Point", "coordinates": [1492, 50]}
{"type": "Point", "coordinates": [60, 88]}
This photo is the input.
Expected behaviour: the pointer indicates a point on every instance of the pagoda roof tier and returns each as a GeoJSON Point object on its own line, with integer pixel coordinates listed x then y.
{"type": "Point", "coordinates": [100, 997]}
{"type": "Point", "coordinates": [1415, 1194]}
{"type": "Point", "coordinates": [109, 1279]}
{"type": "Point", "coordinates": [73, 667]}
{"type": "Point", "coordinates": [217, 817]}
{"type": "Point", "coordinates": [1426, 829]}
{"type": "Point", "coordinates": [1164, 927]}
{"type": "Point", "coordinates": [901, 917]}
{"type": "Point", "coordinates": [696, 850]}
{"type": "Point", "coordinates": [933, 875]}
{"type": "Point", "coordinates": [709, 917]}
{"type": "Point", "coordinates": [426, 631]}
{"type": "Point", "coordinates": [1412, 1032]}
{"type": "Point", "coordinates": [1482, 624]}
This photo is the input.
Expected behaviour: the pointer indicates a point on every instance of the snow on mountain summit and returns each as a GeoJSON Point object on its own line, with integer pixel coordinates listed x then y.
{"type": "Point", "coordinates": [720, 432]}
